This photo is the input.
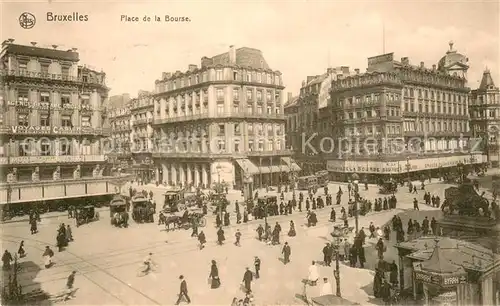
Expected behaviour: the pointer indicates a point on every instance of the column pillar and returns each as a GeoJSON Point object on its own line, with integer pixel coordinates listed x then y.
{"type": "Point", "coordinates": [182, 174]}
{"type": "Point", "coordinates": [487, 291]}
{"type": "Point", "coordinates": [157, 173]}
{"type": "Point", "coordinates": [166, 173]}
{"type": "Point", "coordinates": [204, 175]}
{"type": "Point", "coordinates": [174, 174]}
{"type": "Point", "coordinates": [189, 176]}
{"type": "Point", "coordinates": [196, 178]}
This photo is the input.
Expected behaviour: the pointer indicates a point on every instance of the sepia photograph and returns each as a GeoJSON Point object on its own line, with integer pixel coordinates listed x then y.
{"type": "Point", "coordinates": [250, 153]}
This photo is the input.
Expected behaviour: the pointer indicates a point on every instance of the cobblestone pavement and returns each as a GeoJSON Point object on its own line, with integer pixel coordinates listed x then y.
{"type": "Point", "coordinates": [107, 259]}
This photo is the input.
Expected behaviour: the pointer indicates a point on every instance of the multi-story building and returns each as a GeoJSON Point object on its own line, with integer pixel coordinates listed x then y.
{"type": "Point", "coordinates": [222, 121]}
{"type": "Point", "coordinates": [120, 149]}
{"type": "Point", "coordinates": [310, 127]}
{"type": "Point", "coordinates": [52, 125]}
{"type": "Point", "coordinates": [399, 120]}
{"type": "Point", "coordinates": [291, 110]}
{"type": "Point", "coordinates": [484, 110]}
{"type": "Point", "coordinates": [141, 119]}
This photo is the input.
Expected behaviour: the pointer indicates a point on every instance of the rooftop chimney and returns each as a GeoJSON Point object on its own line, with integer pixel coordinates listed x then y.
{"type": "Point", "coordinates": [405, 61]}
{"type": "Point", "coordinates": [422, 65]}
{"type": "Point", "coordinates": [11, 40]}
{"type": "Point", "coordinates": [192, 67]}
{"type": "Point", "coordinates": [33, 43]}
{"type": "Point", "coordinates": [232, 55]}
{"type": "Point", "coordinates": [165, 75]}
{"type": "Point", "coordinates": [289, 96]}
{"type": "Point", "coordinates": [356, 70]}
{"type": "Point", "coordinates": [74, 49]}
{"type": "Point", "coordinates": [54, 46]}
{"type": "Point", "coordinates": [433, 67]}
{"type": "Point", "coordinates": [303, 83]}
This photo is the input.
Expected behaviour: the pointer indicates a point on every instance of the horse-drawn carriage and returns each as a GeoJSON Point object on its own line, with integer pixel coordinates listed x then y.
{"type": "Point", "coordinates": [388, 187]}
{"type": "Point", "coordinates": [118, 212]}
{"type": "Point", "coordinates": [142, 209]}
{"type": "Point", "coordinates": [172, 202]}
{"type": "Point", "coordinates": [86, 214]}
{"type": "Point", "coordinates": [183, 219]}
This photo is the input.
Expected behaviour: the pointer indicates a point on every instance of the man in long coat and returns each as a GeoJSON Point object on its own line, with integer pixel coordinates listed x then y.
{"type": "Point", "coordinates": [247, 280]}
{"type": "Point", "coordinates": [287, 251]}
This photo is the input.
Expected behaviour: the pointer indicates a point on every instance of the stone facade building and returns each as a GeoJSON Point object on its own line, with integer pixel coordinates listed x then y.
{"type": "Point", "coordinates": [53, 121]}
{"type": "Point", "coordinates": [485, 117]}
{"type": "Point", "coordinates": [222, 121]}
{"type": "Point", "coordinates": [400, 120]}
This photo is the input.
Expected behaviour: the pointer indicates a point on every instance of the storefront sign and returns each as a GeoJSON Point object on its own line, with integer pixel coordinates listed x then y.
{"type": "Point", "coordinates": [44, 159]}
{"type": "Point", "coordinates": [19, 129]}
{"type": "Point", "coordinates": [40, 105]}
{"type": "Point", "coordinates": [351, 166]}
{"type": "Point", "coordinates": [359, 166]}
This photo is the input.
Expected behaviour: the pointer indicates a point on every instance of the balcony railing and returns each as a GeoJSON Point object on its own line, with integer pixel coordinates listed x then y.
{"type": "Point", "coordinates": [143, 121]}
{"type": "Point", "coordinates": [49, 76]}
{"type": "Point", "coordinates": [27, 160]}
{"type": "Point", "coordinates": [219, 116]}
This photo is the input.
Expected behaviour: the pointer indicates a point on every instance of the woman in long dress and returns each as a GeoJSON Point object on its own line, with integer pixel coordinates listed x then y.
{"type": "Point", "coordinates": [313, 274]}
{"type": "Point", "coordinates": [292, 232]}
{"type": "Point", "coordinates": [21, 250]}
{"type": "Point", "coordinates": [214, 275]}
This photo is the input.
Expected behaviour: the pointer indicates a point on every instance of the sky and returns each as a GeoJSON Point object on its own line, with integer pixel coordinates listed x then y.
{"type": "Point", "coordinates": [298, 38]}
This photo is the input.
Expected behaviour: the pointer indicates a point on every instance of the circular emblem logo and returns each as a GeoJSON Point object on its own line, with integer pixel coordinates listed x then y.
{"type": "Point", "coordinates": [27, 20]}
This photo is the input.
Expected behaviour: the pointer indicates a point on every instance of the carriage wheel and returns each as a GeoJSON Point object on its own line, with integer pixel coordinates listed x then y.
{"type": "Point", "coordinates": [202, 222]}
{"type": "Point", "coordinates": [346, 231]}
{"type": "Point", "coordinates": [186, 225]}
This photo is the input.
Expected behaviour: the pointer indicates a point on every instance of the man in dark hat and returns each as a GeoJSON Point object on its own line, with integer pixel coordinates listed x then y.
{"type": "Point", "coordinates": [257, 266]}
{"type": "Point", "coordinates": [287, 251]}
{"type": "Point", "coordinates": [183, 291]}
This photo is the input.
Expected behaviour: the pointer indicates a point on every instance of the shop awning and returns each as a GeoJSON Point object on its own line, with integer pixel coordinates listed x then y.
{"type": "Point", "coordinates": [291, 163]}
{"type": "Point", "coordinates": [247, 166]}
{"type": "Point", "coordinates": [274, 169]}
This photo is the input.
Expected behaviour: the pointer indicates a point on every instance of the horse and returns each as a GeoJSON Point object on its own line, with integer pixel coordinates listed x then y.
{"type": "Point", "coordinates": [172, 219]}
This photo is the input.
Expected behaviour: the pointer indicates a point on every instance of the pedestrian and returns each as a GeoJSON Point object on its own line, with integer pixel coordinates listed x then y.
{"type": "Point", "coordinates": [381, 248]}
{"type": "Point", "coordinates": [69, 286]}
{"type": "Point", "coordinates": [214, 276]}
{"type": "Point", "coordinates": [333, 215]}
{"type": "Point", "coordinates": [313, 274]}
{"type": "Point", "coordinates": [256, 263]}
{"type": "Point", "coordinates": [247, 280]}
{"type": "Point", "coordinates": [287, 251]}
{"type": "Point", "coordinates": [327, 257]}
{"type": "Point", "coordinates": [237, 235]}
{"type": "Point", "coordinates": [6, 259]}
{"type": "Point", "coordinates": [326, 289]}
{"type": "Point", "coordinates": [260, 231]}
{"type": "Point", "coordinates": [434, 226]}
{"type": "Point", "coordinates": [415, 203]}
{"type": "Point", "coordinates": [393, 274]}
{"type": "Point", "coordinates": [69, 233]}
{"type": "Point", "coordinates": [202, 239]}
{"type": "Point", "coordinates": [194, 225]}
{"type": "Point", "coordinates": [183, 292]}
{"type": "Point", "coordinates": [220, 236]}
{"type": "Point", "coordinates": [291, 232]}
{"type": "Point", "coordinates": [33, 226]}
{"type": "Point", "coordinates": [21, 250]}
{"type": "Point", "coordinates": [47, 255]}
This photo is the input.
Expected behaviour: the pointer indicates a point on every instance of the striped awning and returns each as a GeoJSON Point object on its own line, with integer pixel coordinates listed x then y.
{"type": "Point", "coordinates": [291, 163]}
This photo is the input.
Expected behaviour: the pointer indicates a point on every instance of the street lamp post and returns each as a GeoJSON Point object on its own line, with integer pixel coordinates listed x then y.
{"type": "Point", "coordinates": [336, 272]}
{"type": "Point", "coordinates": [219, 191]}
{"type": "Point", "coordinates": [408, 167]}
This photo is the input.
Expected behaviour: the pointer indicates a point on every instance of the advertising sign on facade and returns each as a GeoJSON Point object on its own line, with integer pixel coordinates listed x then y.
{"type": "Point", "coordinates": [37, 129]}
{"type": "Point", "coordinates": [40, 105]}
{"type": "Point", "coordinates": [359, 166]}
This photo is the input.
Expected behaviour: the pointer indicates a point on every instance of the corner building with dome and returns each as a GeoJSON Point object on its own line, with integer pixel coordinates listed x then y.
{"type": "Point", "coordinates": [222, 122]}
{"type": "Point", "coordinates": [405, 121]}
